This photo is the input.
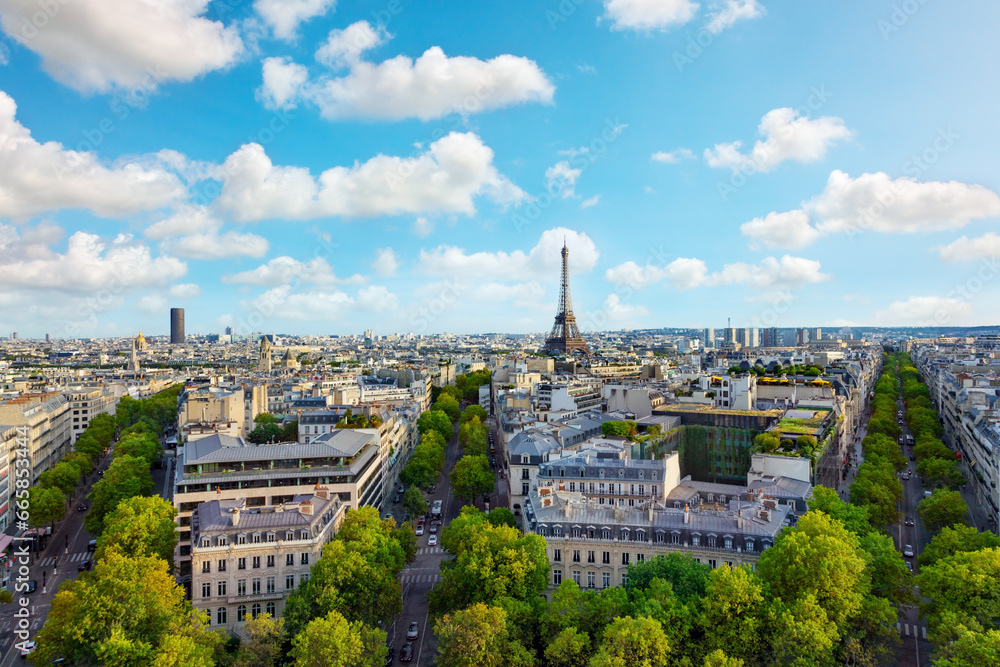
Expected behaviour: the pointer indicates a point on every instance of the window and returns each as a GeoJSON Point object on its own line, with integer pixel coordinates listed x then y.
{"type": "Point", "coordinates": [606, 557]}
{"type": "Point", "coordinates": [222, 565]}
{"type": "Point", "coordinates": [625, 558]}
{"type": "Point", "coordinates": [729, 542]}
{"type": "Point", "coordinates": [605, 533]}
{"type": "Point", "coordinates": [241, 587]}
{"type": "Point", "coordinates": [712, 564]}
{"type": "Point", "coordinates": [557, 577]}
{"type": "Point", "coordinates": [241, 613]}
{"type": "Point", "coordinates": [557, 555]}
{"type": "Point", "coordinates": [256, 540]}
{"type": "Point", "coordinates": [206, 567]}
{"type": "Point", "coordinates": [640, 536]}
{"type": "Point", "coordinates": [223, 541]}
{"type": "Point", "coordinates": [255, 586]}
{"type": "Point", "coordinates": [711, 541]}
{"type": "Point", "coordinates": [590, 557]}
{"type": "Point", "coordinates": [524, 488]}
{"type": "Point", "coordinates": [289, 582]}
{"type": "Point", "coordinates": [270, 584]}
{"type": "Point", "coordinates": [241, 539]}
{"type": "Point", "coordinates": [305, 558]}
{"type": "Point", "coordinates": [270, 609]}
{"type": "Point", "coordinates": [695, 540]}
{"type": "Point", "coordinates": [750, 546]}
{"type": "Point", "coordinates": [220, 616]}
{"type": "Point", "coordinates": [606, 580]}
{"type": "Point", "coordinates": [222, 588]}
{"type": "Point", "coordinates": [241, 563]}
{"type": "Point", "coordinates": [572, 487]}
{"type": "Point", "coordinates": [206, 590]}
{"type": "Point", "coordinates": [562, 472]}
{"type": "Point", "coordinates": [206, 541]}
{"type": "Point", "coordinates": [303, 579]}
{"type": "Point", "coordinates": [270, 537]}
{"type": "Point", "coordinates": [270, 560]}
{"type": "Point", "coordinates": [639, 558]}
{"type": "Point", "coordinates": [525, 459]}
{"type": "Point", "coordinates": [675, 538]}
{"type": "Point", "coordinates": [256, 562]}
{"type": "Point", "coordinates": [255, 610]}
{"type": "Point", "coordinates": [289, 559]}
{"type": "Point", "coordinates": [590, 533]}
{"type": "Point", "coordinates": [591, 580]}
{"type": "Point", "coordinates": [576, 555]}
{"type": "Point", "coordinates": [654, 488]}
{"type": "Point", "coordinates": [624, 579]}
{"type": "Point", "coordinates": [288, 535]}
{"type": "Point", "coordinates": [576, 577]}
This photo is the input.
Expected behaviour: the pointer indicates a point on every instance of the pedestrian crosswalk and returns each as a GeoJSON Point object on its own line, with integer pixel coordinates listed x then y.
{"type": "Point", "coordinates": [912, 630]}
{"type": "Point", "coordinates": [419, 578]}
{"type": "Point", "coordinates": [72, 558]}
{"type": "Point", "coordinates": [429, 550]}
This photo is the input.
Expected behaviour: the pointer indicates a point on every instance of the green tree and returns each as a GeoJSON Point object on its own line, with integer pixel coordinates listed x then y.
{"type": "Point", "coordinates": [140, 526]}
{"type": "Point", "coordinates": [718, 658]}
{"type": "Point", "coordinates": [955, 539]}
{"type": "Point", "coordinates": [448, 405]}
{"type": "Point", "coordinates": [122, 613]}
{"type": "Point", "coordinates": [82, 462]}
{"type": "Point", "coordinates": [734, 613]}
{"type": "Point", "coordinates": [854, 517]}
{"type": "Point", "coordinates": [266, 418]}
{"type": "Point", "coordinates": [624, 429]}
{"type": "Point", "coordinates": [632, 642]}
{"type": "Point", "coordinates": [333, 641]}
{"type": "Point", "coordinates": [501, 516]}
{"type": "Point", "coordinates": [127, 476]}
{"type": "Point", "coordinates": [569, 648]}
{"type": "Point", "coordinates": [478, 637]}
{"type": "Point", "coordinates": [688, 577]}
{"type": "Point", "coordinates": [802, 635]}
{"type": "Point", "coordinates": [413, 502]}
{"type": "Point", "coordinates": [472, 477]}
{"type": "Point", "coordinates": [265, 433]}
{"type": "Point", "coordinates": [943, 508]}
{"type": "Point", "coordinates": [48, 505]}
{"type": "Point", "coordinates": [473, 412]}
{"type": "Point", "coordinates": [970, 649]}
{"type": "Point", "coordinates": [435, 420]}
{"type": "Point", "coordinates": [765, 443]}
{"type": "Point", "coordinates": [263, 637]}
{"type": "Point", "coordinates": [142, 445]}
{"type": "Point", "coordinates": [929, 447]}
{"type": "Point", "coordinates": [63, 476]}
{"type": "Point", "coordinates": [941, 473]}
{"type": "Point", "coordinates": [962, 592]}
{"type": "Point", "coordinates": [88, 445]}
{"type": "Point", "coordinates": [889, 577]}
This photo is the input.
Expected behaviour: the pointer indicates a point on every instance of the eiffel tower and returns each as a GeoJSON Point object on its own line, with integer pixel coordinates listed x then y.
{"type": "Point", "coordinates": [565, 336]}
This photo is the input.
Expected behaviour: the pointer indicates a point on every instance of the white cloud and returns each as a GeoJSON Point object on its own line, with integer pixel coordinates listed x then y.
{"type": "Point", "coordinates": [876, 202]}
{"type": "Point", "coordinates": [386, 262]}
{"type": "Point", "coordinates": [519, 295]}
{"type": "Point", "coordinates": [782, 230]}
{"type": "Point", "coordinates": [672, 157]}
{"type": "Point", "coordinates": [283, 270]}
{"type": "Point", "coordinates": [88, 265]}
{"type": "Point", "coordinates": [38, 177]}
{"type": "Point", "coordinates": [560, 179]}
{"type": "Point", "coordinates": [343, 48]}
{"type": "Point", "coordinates": [785, 136]}
{"type": "Point", "coordinates": [377, 299]}
{"type": "Point", "coordinates": [422, 227]}
{"type": "Point", "coordinates": [445, 178]}
{"type": "Point", "coordinates": [284, 16]}
{"type": "Point", "coordinates": [728, 13]}
{"type": "Point", "coordinates": [99, 45]}
{"type": "Point", "coordinates": [185, 291]}
{"type": "Point", "coordinates": [185, 220]}
{"type": "Point", "coordinates": [543, 262]}
{"type": "Point", "coordinates": [587, 203]}
{"type": "Point", "coordinates": [926, 311]}
{"type": "Point", "coordinates": [192, 231]}
{"type": "Point", "coordinates": [429, 87]}
{"type": "Point", "coordinates": [649, 14]}
{"type": "Point", "coordinates": [152, 303]}
{"type": "Point", "coordinates": [284, 302]}
{"type": "Point", "coordinates": [283, 80]}
{"type": "Point", "coordinates": [687, 273]}
{"type": "Point", "coordinates": [965, 249]}
{"type": "Point", "coordinates": [622, 312]}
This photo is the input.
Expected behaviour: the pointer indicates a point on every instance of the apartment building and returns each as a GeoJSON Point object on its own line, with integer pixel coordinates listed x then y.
{"type": "Point", "coordinates": [49, 429]}
{"type": "Point", "coordinates": [247, 560]}
{"type": "Point", "coordinates": [8, 455]}
{"type": "Point", "coordinates": [86, 403]}
{"type": "Point", "coordinates": [206, 410]}
{"type": "Point", "coordinates": [568, 397]}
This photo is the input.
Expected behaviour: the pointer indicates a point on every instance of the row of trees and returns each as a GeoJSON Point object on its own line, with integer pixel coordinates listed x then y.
{"type": "Point", "coordinates": [427, 461]}
{"type": "Point", "coordinates": [822, 595]}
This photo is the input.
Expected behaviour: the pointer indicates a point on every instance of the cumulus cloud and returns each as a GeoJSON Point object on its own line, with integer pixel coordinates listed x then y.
{"type": "Point", "coordinates": [672, 157]}
{"type": "Point", "coordinates": [422, 227]}
{"type": "Point", "coordinates": [386, 262]}
{"type": "Point", "coordinates": [283, 80]}
{"type": "Point", "coordinates": [185, 291]}
{"type": "Point", "coordinates": [429, 87]}
{"type": "Point", "coordinates": [446, 177]}
{"type": "Point", "coordinates": [283, 270]}
{"type": "Point", "coordinates": [99, 45]}
{"type": "Point", "coordinates": [622, 312]}
{"type": "Point", "coordinates": [193, 231]}
{"type": "Point", "coordinates": [593, 201]}
{"type": "Point", "coordinates": [645, 15]}
{"type": "Point", "coordinates": [785, 136]}
{"type": "Point", "coordinates": [965, 249]}
{"type": "Point", "coordinates": [729, 12]}
{"type": "Point", "coordinates": [543, 261]}
{"type": "Point", "coordinates": [926, 311]}
{"type": "Point", "coordinates": [876, 202]}
{"type": "Point", "coordinates": [791, 230]}
{"type": "Point", "coordinates": [687, 273]}
{"type": "Point", "coordinates": [285, 16]}
{"type": "Point", "coordinates": [561, 178]}
{"type": "Point", "coordinates": [89, 264]}
{"type": "Point", "coordinates": [284, 302]}
{"type": "Point", "coordinates": [35, 177]}
{"type": "Point", "coordinates": [152, 304]}
{"type": "Point", "coordinates": [377, 299]}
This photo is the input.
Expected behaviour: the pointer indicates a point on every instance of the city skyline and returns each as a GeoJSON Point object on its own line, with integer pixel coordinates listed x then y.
{"type": "Point", "coordinates": [273, 171]}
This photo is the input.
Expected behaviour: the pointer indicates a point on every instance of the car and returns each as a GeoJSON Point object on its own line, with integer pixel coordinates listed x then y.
{"type": "Point", "coordinates": [387, 516]}
{"type": "Point", "coordinates": [913, 458]}
{"type": "Point", "coordinates": [434, 527]}
{"type": "Point", "coordinates": [906, 477]}
{"type": "Point", "coordinates": [909, 565]}
{"type": "Point", "coordinates": [412, 631]}
{"type": "Point", "coordinates": [406, 655]}
{"type": "Point", "coordinates": [390, 656]}
{"type": "Point", "coordinates": [420, 529]}
{"type": "Point", "coordinates": [85, 565]}
{"type": "Point", "coordinates": [432, 488]}
{"type": "Point", "coordinates": [909, 521]}
{"type": "Point", "coordinates": [397, 498]}
{"type": "Point", "coordinates": [27, 648]}
{"type": "Point", "coordinates": [432, 541]}
{"type": "Point", "coordinates": [32, 586]}
{"type": "Point", "coordinates": [92, 545]}
{"type": "Point", "coordinates": [401, 489]}
{"type": "Point", "coordinates": [908, 551]}
{"type": "Point", "coordinates": [82, 507]}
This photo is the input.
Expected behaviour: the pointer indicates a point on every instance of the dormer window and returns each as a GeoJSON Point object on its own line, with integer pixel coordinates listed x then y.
{"type": "Point", "coordinates": [562, 472]}
{"type": "Point", "coordinates": [206, 541]}
{"type": "Point", "coordinates": [289, 536]}
{"type": "Point", "coordinates": [256, 538]}
{"type": "Point", "coordinates": [654, 475]}
{"type": "Point", "coordinates": [241, 539]}
{"type": "Point", "coordinates": [641, 474]}
{"type": "Point", "coordinates": [525, 459]}
{"type": "Point", "coordinates": [222, 541]}
{"type": "Point", "coordinates": [270, 537]}
{"type": "Point", "coordinates": [621, 473]}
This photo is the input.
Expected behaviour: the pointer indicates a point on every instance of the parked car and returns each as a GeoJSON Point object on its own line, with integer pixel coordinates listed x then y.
{"type": "Point", "coordinates": [432, 541]}
{"type": "Point", "coordinates": [412, 631]}
{"type": "Point", "coordinates": [419, 530]}
{"type": "Point", "coordinates": [28, 648]}
{"type": "Point", "coordinates": [82, 507]}
{"type": "Point", "coordinates": [908, 551]}
{"type": "Point", "coordinates": [390, 656]}
{"type": "Point", "coordinates": [406, 655]}
{"type": "Point", "coordinates": [92, 545]}
{"type": "Point", "coordinates": [909, 521]}
{"type": "Point", "coordinates": [85, 565]}
{"type": "Point", "coordinates": [432, 488]}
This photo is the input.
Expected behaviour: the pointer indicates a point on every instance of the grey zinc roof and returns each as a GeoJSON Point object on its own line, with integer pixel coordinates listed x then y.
{"type": "Point", "coordinates": [197, 449]}
{"type": "Point", "coordinates": [533, 444]}
{"type": "Point", "coordinates": [340, 443]}
{"type": "Point", "coordinates": [214, 516]}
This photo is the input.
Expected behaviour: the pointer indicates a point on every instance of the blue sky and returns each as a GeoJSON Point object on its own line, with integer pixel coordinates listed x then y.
{"type": "Point", "coordinates": [313, 166]}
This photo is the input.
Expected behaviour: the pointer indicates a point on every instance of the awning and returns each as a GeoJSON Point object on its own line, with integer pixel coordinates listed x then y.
{"type": "Point", "coordinates": [5, 541]}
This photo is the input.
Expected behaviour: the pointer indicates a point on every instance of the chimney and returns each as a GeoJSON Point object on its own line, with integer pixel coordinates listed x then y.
{"type": "Point", "coordinates": [306, 507]}
{"type": "Point", "coordinates": [235, 512]}
{"type": "Point", "coordinates": [322, 492]}
{"type": "Point", "coordinates": [687, 514]}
